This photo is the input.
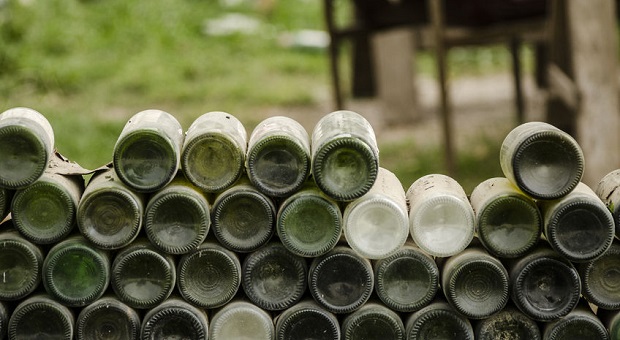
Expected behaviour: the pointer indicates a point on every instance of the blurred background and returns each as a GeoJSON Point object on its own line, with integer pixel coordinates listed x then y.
{"type": "Point", "coordinates": [89, 65]}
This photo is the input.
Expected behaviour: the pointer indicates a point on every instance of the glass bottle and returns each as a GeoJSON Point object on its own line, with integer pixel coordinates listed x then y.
{"type": "Point", "coordinates": [475, 283]}
{"type": "Point", "coordinates": [376, 224]}
{"type": "Point", "coordinates": [20, 265]}
{"type": "Point", "coordinates": [147, 152]}
{"type": "Point", "coordinates": [611, 320]}
{"type": "Point", "coordinates": [177, 217]}
{"type": "Point", "coordinates": [75, 273]}
{"type": "Point", "coordinates": [508, 223]}
{"type": "Point", "coordinates": [578, 226]}
{"type": "Point", "coordinates": [110, 214]}
{"type": "Point", "coordinates": [257, 324]}
{"type": "Point", "coordinates": [175, 319]}
{"type": "Point", "coordinates": [142, 276]}
{"type": "Point", "coordinates": [341, 281]}
{"type": "Point", "coordinates": [407, 280]}
{"type": "Point", "coordinates": [278, 156]}
{"type": "Point", "coordinates": [108, 319]}
{"type": "Point", "coordinates": [44, 212]}
{"type": "Point", "coordinates": [40, 317]}
{"type": "Point", "coordinates": [544, 285]}
{"type": "Point", "coordinates": [26, 147]}
{"type": "Point", "coordinates": [307, 320]}
{"type": "Point", "coordinates": [438, 321]}
{"type": "Point", "coordinates": [441, 219]}
{"type": "Point", "coordinates": [509, 323]}
{"type": "Point", "coordinates": [607, 191]}
{"type": "Point", "coordinates": [4, 319]}
{"type": "Point", "coordinates": [542, 160]}
{"type": "Point", "coordinates": [345, 155]}
{"type": "Point", "coordinates": [309, 223]}
{"type": "Point", "coordinates": [209, 276]}
{"type": "Point", "coordinates": [579, 324]}
{"type": "Point", "coordinates": [373, 321]}
{"type": "Point", "coordinates": [600, 279]}
{"type": "Point", "coordinates": [6, 196]}
{"type": "Point", "coordinates": [274, 278]}
{"type": "Point", "coordinates": [243, 218]}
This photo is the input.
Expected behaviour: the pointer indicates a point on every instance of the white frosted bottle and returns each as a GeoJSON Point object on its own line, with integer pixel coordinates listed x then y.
{"type": "Point", "coordinates": [441, 219]}
{"type": "Point", "coordinates": [376, 225]}
{"type": "Point", "coordinates": [241, 320]}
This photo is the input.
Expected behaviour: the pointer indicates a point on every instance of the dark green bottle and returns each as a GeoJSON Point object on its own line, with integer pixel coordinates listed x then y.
{"type": "Point", "coordinates": [175, 319]}
{"type": "Point", "coordinates": [20, 265]}
{"type": "Point", "coordinates": [509, 323]}
{"type": "Point", "coordinates": [579, 324]}
{"type": "Point", "coordinates": [438, 321]}
{"type": "Point", "coordinates": [373, 321]}
{"type": "Point", "coordinates": [600, 279]}
{"type": "Point", "coordinates": [108, 319]}
{"type": "Point", "coordinates": [611, 320]}
{"type": "Point", "coordinates": [4, 319]}
{"type": "Point", "coordinates": [40, 317]}
{"type": "Point", "coordinates": [307, 320]}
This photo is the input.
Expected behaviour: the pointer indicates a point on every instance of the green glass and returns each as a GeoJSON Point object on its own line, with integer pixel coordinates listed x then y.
{"type": "Point", "coordinates": [307, 320]}
{"type": "Point", "coordinates": [225, 322]}
{"type": "Point", "coordinates": [108, 319]}
{"type": "Point", "coordinates": [4, 319]}
{"type": "Point", "coordinates": [600, 279]}
{"type": "Point", "coordinates": [509, 323]}
{"type": "Point", "coordinates": [175, 319]}
{"type": "Point", "coordinates": [44, 212]}
{"type": "Point", "coordinates": [20, 265]}
{"type": "Point", "coordinates": [611, 320]}
{"type": "Point", "coordinates": [373, 321]}
{"type": "Point", "coordinates": [75, 273]}
{"type": "Point", "coordinates": [40, 317]}
{"type": "Point", "coordinates": [579, 324]}
{"type": "Point", "coordinates": [438, 321]}
{"type": "Point", "coordinates": [26, 147]}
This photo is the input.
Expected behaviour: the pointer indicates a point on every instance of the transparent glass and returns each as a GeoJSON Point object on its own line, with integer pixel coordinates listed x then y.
{"type": "Point", "coordinates": [438, 321]}
{"type": "Point", "coordinates": [40, 317]}
{"type": "Point", "coordinates": [20, 265]}
{"type": "Point", "coordinates": [307, 320]}
{"type": "Point", "coordinates": [373, 321]}
{"type": "Point", "coordinates": [257, 324]}
{"type": "Point", "coordinates": [601, 279]}
{"type": "Point", "coordinates": [108, 319]}
{"type": "Point", "coordinates": [175, 319]}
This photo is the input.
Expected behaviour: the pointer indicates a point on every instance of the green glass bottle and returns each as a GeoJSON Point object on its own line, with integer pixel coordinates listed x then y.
{"type": "Point", "coordinates": [44, 212]}
{"type": "Point", "coordinates": [373, 321]}
{"type": "Point", "coordinates": [509, 323]}
{"type": "Point", "coordinates": [110, 213]}
{"type": "Point", "coordinates": [4, 319]}
{"type": "Point", "coordinates": [225, 322]}
{"type": "Point", "coordinates": [175, 319]}
{"type": "Point", "coordinates": [177, 217]}
{"type": "Point", "coordinates": [20, 265]}
{"type": "Point", "coordinates": [40, 317]}
{"type": "Point", "coordinates": [307, 320]}
{"type": "Point", "coordinates": [579, 324]}
{"type": "Point", "coordinates": [345, 155]}
{"type": "Point", "coordinates": [147, 153]}
{"type": "Point", "coordinates": [611, 320]}
{"type": "Point", "coordinates": [600, 279]}
{"type": "Point", "coordinates": [6, 196]}
{"type": "Point", "coordinates": [438, 321]}
{"type": "Point", "coordinates": [607, 191]}
{"type": "Point", "coordinates": [214, 149]}
{"type": "Point", "coordinates": [26, 147]}
{"type": "Point", "coordinates": [209, 276]}
{"type": "Point", "coordinates": [108, 319]}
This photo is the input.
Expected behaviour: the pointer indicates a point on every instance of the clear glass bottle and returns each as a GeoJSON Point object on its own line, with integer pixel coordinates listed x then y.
{"type": "Point", "coordinates": [475, 283]}
{"type": "Point", "coordinates": [40, 317]}
{"type": "Point", "coordinates": [243, 218]}
{"type": "Point", "coordinates": [509, 323]}
{"type": "Point", "coordinates": [407, 280]}
{"type": "Point", "coordinates": [607, 191]}
{"type": "Point", "coordinates": [6, 196]}
{"type": "Point", "coordinates": [110, 214]}
{"type": "Point", "coordinates": [20, 265]}
{"type": "Point", "coordinates": [26, 147]}
{"type": "Point", "coordinates": [373, 321]}
{"type": "Point", "coordinates": [108, 319]}
{"type": "Point", "coordinates": [209, 276]}
{"type": "Point", "coordinates": [177, 217]}
{"type": "Point", "coordinates": [147, 153]}
{"type": "Point", "coordinates": [438, 320]}
{"type": "Point", "coordinates": [309, 223]}
{"type": "Point", "coordinates": [278, 156]}
{"type": "Point", "coordinates": [579, 324]}
{"type": "Point", "coordinates": [307, 320]}
{"type": "Point", "coordinates": [44, 212]}
{"type": "Point", "coordinates": [341, 281]}
{"type": "Point", "coordinates": [578, 226]}
{"type": "Point", "coordinates": [508, 223]}
{"type": "Point", "coordinates": [542, 160]}
{"type": "Point", "coordinates": [274, 278]}
{"type": "Point", "coordinates": [257, 324]}
{"type": "Point", "coordinates": [345, 155]}
{"type": "Point", "coordinates": [611, 320]}
{"type": "Point", "coordinates": [600, 279]}
{"type": "Point", "coordinates": [441, 219]}
{"type": "Point", "coordinates": [376, 224]}
{"type": "Point", "coordinates": [175, 319]}
{"type": "Point", "coordinates": [75, 273]}
{"type": "Point", "coordinates": [142, 276]}
{"type": "Point", "coordinates": [213, 154]}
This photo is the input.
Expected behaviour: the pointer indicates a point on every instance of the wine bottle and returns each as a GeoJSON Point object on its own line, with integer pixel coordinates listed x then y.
{"type": "Point", "coordinates": [278, 156]}
{"type": "Point", "coordinates": [110, 214]}
{"type": "Point", "coordinates": [40, 317]}
{"type": "Point", "coordinates": [373, 321]}
{"type": "Point", "coordinates": [441, 219]}
{"type": "Point", "coordinates": [274, 278]}
{"type": "Point", "coordinates": [257, 324]}
{"type": "Point", "coordinates": [26, 147]}
{"type": "Point", "coordinates": [438, 320]}
{"type": "Point", "coordinates": [407, 280]}
{"type": "Point", "coordinates": [147, 153]}
{"type": "Point", "coordinates": [341, 281]}
{"type": "Point", "coordinates": [542, 160]}
{"type": "Point", "coordinates": [142, 276]}
{"type": "Point", "coordinates": [309, 223]}
{"type": "Point", "coordinates": [4, 319]}
{"type": "Point", "coordinates": [611, 320]}
{"type": "Point", "coordinates": [209, 276]}
{"type": "Point", "coordinates": [345, 155]}
{"type": "Point", "coordinates": [376, 224]}
{"type": "Point", "coordinates": [243, 218]}
{"type": "Point", "coordinates": [307, 320]}
{"type": "Point", "coordinates": [20, 265]}
{"type": "Point", "coordinates": [177, 217]}
{"type": "Point", "coordinates": [578, 226]}
{"type": "Point", "coordinates": [508, 223]}
{"type": "Point", "coordinates": [600, 279]}
{"type": "Point", "coordinates": [213, 153]}
{"type": "Point", "coordinates": [607, 191]}
{"type": "Point", "coordinates": [108, 318]}
{"type": "Point", "coordinates": [579, 324]}
{"type": "Point", "coordinates": [44, 212]}
{"type": "Point", "coordinates": [75, 273]}
{"type": "Point", "coordinates": [175, 319]}
{"type": "Point", "coordinates": [6, 196]}
{"type": "Point", "coordinates": [509, 323]}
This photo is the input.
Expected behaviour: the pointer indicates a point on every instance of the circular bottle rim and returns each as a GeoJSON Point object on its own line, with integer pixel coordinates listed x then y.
{"type": "Point", "coordinates": [428, 314]}
{"type": "Point", "coordinates": [590, 294]}
{"type": "Point", "coordinates": [184, 311]}
{"type": "Point", "coordinates": [107, 303]}
{"type": "Point", "coordinates": [35, 259]}
{"type": "Point", "coordinates": [575, 322]}
{"type": "Point", "coordinates": [229, 311]}
{"type": "Point", "coordinates": [355, 319]}
{"type": "Point", "coordinates": [285, 320]}
{"type": "Point", "coordinates": [43, 156]}
{"type": "Point", "coordinates": [37, 303]}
